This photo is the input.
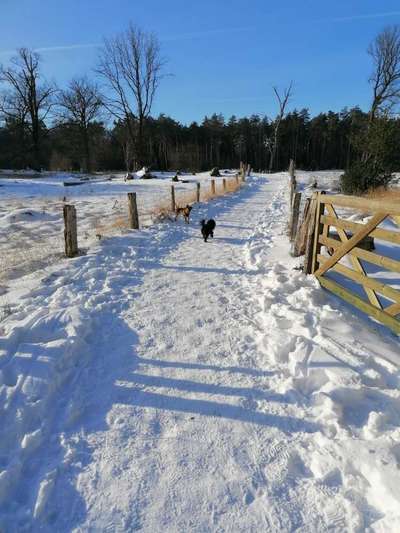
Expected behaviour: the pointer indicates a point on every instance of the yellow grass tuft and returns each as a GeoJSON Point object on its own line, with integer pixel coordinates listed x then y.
{"type": "Point", "coordinates": [113, 226]}
{"type": "Point", "coordinates": [384, 194]}
{"type": "Point", "coordinates": [159, 214]}
{"type": "Point", "coordinates": [182, 198]}
{"type": "Point", "coordinates": [231, 185]}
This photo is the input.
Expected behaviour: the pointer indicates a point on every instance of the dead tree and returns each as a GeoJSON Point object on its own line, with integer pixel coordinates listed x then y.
{"type": "Point", "coordinates": [26, 98]}
{"type": "Point", "coordinates": [80, 105]}
{"type": "Point", "coordinates": [272, 144]}
{"type": "Point", "coordinates": [131, 66]}
{"type": "Point", "coordinates": [385, 79]}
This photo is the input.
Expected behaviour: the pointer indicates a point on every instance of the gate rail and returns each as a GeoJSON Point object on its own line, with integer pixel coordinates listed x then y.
{"type": "Point", "coordinates": [381, 300]}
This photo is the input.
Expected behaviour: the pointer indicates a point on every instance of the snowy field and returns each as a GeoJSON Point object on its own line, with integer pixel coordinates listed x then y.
{"type": "Point", "coordinates": [160, 383]}
{"type": "Point", "coordinates": [31, 224]}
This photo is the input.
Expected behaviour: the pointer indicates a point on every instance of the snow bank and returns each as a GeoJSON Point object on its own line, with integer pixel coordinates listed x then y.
{"type": "Point", "coordinates": [46, 347]}
{"type": "Point", "coordinates": [346, 369]}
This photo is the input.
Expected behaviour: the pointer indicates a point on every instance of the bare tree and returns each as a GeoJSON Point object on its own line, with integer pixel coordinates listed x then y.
{"type": "Point", "coordinates": [385, 79]}
{"type": "Point", "coordinates": [24, 99]}
{"type": "Point", "coordinates": [80, 105]}
{"type": "Point", "coordinates": [131, 67]}
{"type": "Point", "coordinates": [272, 143]}
{"type": "Point", "coordinates": [12, 106]}
{"type": "Point", "coordinates": [122, 136]}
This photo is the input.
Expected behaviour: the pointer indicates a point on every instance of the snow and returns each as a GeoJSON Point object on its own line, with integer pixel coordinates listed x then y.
{"type": "Point", "coordinates": [31, 220]}
{"type": "Point", "coordinates": [166, 384]}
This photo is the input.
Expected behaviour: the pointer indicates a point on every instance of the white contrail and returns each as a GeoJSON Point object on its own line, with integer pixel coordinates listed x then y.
{"type": "Point", "coordinates": [55, 48]}
{"type": "Point", "coordinates": [178, 37]}
{"type": "Point", "coordinates": [67, 47]}
{"type": "Point", "coordinates": [360, 17]}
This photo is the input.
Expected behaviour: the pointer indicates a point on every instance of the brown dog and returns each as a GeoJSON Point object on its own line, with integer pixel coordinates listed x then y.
{"type": "Point", "coordinates": [184, 211]}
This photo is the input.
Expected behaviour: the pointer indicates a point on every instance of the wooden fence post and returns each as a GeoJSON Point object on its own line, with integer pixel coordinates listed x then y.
{"type": "Point", "coordinates": [301, 234]}
{"type": "Point", "coordinates": [70, 231]}
{"type": "Point", "coordinates": [224, 184]}
{"type": "Point", "coordinates": [133, 211]}
{"type": "Point", "coordinates": [294, 216]}
{"type": "Point", "coordinates": [248, 169]}
{"type": "Point", "coordinates": [307, 268]}
{"type": "Point", "coordinates": [198, 191]}
{"type": "Point", "coordinates": [317, 232]}
{"type": "Point", "coordinates": [173, 207]}
{"type": "Point", "coordinates": [293, 183]}
{"type": "Point", "coordinates": [213, 187]}
{"type": "Point", "coordinates": [291, 168]}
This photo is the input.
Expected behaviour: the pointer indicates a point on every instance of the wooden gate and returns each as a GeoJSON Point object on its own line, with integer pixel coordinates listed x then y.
{"type": "Point", "coordinates": [343, 250]}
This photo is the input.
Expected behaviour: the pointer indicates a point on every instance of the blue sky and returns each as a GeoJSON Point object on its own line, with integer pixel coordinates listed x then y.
{"type": "Point", "coordinates": [225, 56]}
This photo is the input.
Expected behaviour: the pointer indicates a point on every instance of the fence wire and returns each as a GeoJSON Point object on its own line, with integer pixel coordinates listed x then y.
{"type": "Point", "coordinates": [32, 229]}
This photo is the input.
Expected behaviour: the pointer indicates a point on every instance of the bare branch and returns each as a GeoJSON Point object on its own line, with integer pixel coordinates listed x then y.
{"type": "Point", "coordinates": [25, 99]}
{"type": "Point", "coordinates": [283, 100]}
{"type": "Point", "coordinates": [131, 67]}
{"type": "Point", "coordinates": [385, 79]}
{"type": "Point", "coordinates": [80, 105]}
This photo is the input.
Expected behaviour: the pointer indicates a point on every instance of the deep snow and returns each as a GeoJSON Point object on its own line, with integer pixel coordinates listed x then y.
{"type": "Point", "coordinates": [164, 384]}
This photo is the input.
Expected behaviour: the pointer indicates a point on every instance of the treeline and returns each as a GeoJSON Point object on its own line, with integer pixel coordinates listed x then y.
{"type": "Point", "coordinates": [83, 127]}
{"type": "Point", "coordinates": [326, 141]}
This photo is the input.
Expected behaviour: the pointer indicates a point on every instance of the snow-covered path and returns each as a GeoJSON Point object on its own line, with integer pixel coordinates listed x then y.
{"type": "Point", "coordinates": [202, 387]}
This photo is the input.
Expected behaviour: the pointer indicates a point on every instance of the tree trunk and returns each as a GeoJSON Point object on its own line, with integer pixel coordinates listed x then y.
{"type": "Point", "coordinates": [35, 145]}
{"type": "Point", "coordinates": [139, 144]}
{"type": "Point", "coordinates": [87, 167]}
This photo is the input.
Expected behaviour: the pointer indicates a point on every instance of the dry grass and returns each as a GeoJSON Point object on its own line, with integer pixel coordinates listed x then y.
{"type": "Point", "coordinates": [120, 223]}
{"type": "Point", "coordinates": [110, 227]}
{"type": "Point", "coordinates": [384, 194]}
{"type": "Point", "coordinates": [219, 187]}
{"type": "Point", "coordinates": [232, 185]}
{"type": "Point", "coordinates": [157, 214]}
{"type": "Point", "coordinates": [206, 195]}
{"type": "Point", "coordinates": [184, 198]}
{"type": "Point", "coordinates": [5, 308]}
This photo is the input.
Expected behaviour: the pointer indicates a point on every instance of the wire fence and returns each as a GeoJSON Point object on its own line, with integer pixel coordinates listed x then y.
{"type": "Point", "coordinates": [32, 229]}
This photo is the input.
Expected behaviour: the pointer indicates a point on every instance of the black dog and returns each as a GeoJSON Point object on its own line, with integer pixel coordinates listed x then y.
{"type": "Point", "coordinates": [207, 228]}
